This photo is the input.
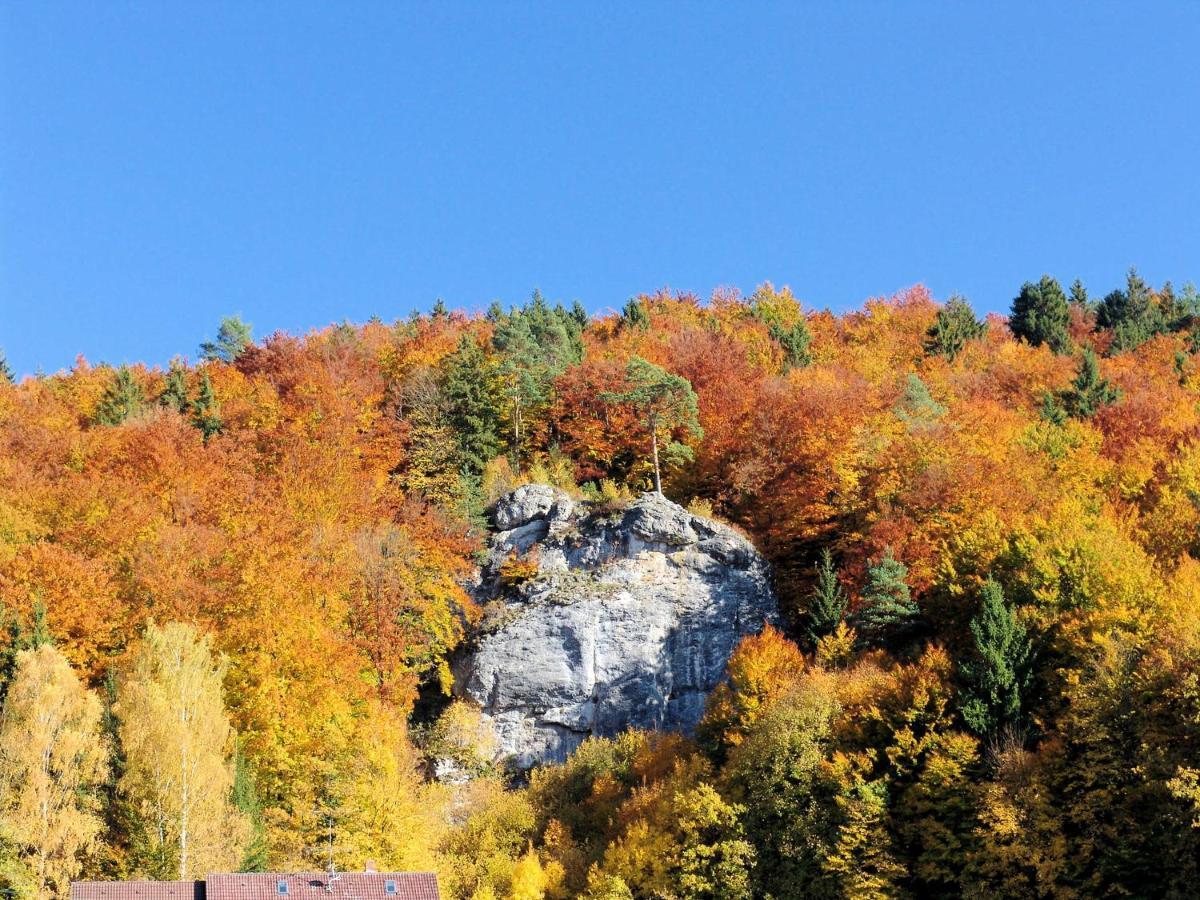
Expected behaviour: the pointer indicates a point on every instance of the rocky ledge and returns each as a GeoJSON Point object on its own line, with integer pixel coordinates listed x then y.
{"type": "Point", "coordinates": [598, 620]}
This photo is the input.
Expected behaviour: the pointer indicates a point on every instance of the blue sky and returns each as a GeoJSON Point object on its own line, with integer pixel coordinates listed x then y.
{"type": "Point", "coordinates": [164, 164]}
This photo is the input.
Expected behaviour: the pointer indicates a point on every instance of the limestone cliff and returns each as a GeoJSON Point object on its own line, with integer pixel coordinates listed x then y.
{"type": "Point", "coordinates": [600, 620]}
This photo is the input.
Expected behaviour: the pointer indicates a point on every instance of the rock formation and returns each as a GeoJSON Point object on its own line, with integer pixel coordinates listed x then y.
{"type": "Point", "coordinates": [598, 620]}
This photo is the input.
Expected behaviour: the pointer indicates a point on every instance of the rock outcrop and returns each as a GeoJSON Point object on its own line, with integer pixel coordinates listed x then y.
{"type": "Point", "coordinates": [599, 620]}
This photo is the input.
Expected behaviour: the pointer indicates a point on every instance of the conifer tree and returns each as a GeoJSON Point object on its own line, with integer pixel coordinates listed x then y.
{"type": "Point", "coordinates": [1131, 313]}
{"type": "Point", "coordinates": [664, 402]}
{"type": "Point", "coordinates": [827, 607]}
{"type": "Point", "coordinates": [1079, 296]}
{"type": "Point", "coordinates": [954, 325]}
{"type": "Point", "coordinates": [121, 399]}
{"type": "Point", "coordinates": [439, 311]}
{"type": "Point", "coordinates": [999, 672]}
{"type": "Point", "coordinates": [204, 410]}
{"type": "Point", "coordinates": [917, 409]}
{"type": "Point", "coordinates": [472, 403]}
{"type": "Point", "coordinates": [1040, 315]}
{"type": "Point", "coordinates": [175, 394]}
{"type": "Point", "coordinates": [6, 372]}
{"type": "Point", "coordinates": [635, 315]}
{"type": "Point", "coordinates": [796, 343]}
{"type": "Point", "coordinates": [888, 615]}
{"type": "Point", "coordinates": [1089, 392]}
{"type": "Point", "coordinates": [233, 337]}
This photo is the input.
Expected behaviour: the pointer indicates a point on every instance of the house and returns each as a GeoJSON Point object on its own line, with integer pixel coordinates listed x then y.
{"type": "Point", "coordinates": [270, 886]}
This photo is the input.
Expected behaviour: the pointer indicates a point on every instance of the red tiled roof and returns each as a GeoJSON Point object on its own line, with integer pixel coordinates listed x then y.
{"type": "Point", "coordinates": [137, 890]}
{"type": "Point", "coordinates": [316, 886]}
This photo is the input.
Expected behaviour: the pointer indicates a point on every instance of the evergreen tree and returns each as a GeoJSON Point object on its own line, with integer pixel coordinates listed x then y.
{"type": "Point", "coordinates": [917, 409]}
{"type": "Point", "coordinates": [888, 615]}
{"type": "Point", "coordinates": [1079, 296]}
{"type": "Point", "coordinates": [580, 316]}
{"type": "Point", "coordinates": [1088, 393]}
{"type": "Point", "coordinates": [175, 394]}
{"type": "Point", "coordinates": [1040, 315]}
{"type": "Point", "coordinates": [121, 399]}
{"type": "Point", "coordinates": [1132, 314]}
{"type": "Point", "coordinates": [536, 344]}
{"type": "Point", "coordinates": [796, 343]}
{"type": "Point", "coordinates": [205, 413]}
{"type": "Point", "coordinates": [999, 671]}
{"type": "Point", "coordinates": [39, 633]}
{"type": "Point", "coordinates": [233, 337]}
{"type": "Point", "coordinates": [6, 372]}
{"type": "Point", "coordinates": [12, 636]}
{"type": "Point", "coordinates": [472, 405]}
{"type": "Point", "coordinates": [1052, 410]}
{"type": "Point", "coordinates": [954, 326]}
{"type": "Point", "coordinates": [245, 800]}
{"type": "Point", "coordinates": [664, 402]}
{"type": "Point", "coordinates": [827, 607]}
{"type": "Point", "coordinates": [635, 315]}
{"type": "Point", "coordinates": [439, 309]}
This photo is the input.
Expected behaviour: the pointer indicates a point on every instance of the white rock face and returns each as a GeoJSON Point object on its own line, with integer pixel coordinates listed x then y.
{"type": "Point", "coordinates": [628, 622]}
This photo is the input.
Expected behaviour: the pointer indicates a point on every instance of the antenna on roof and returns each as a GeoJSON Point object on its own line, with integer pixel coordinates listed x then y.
{"type": "Point", "coordinates": [333, 875]}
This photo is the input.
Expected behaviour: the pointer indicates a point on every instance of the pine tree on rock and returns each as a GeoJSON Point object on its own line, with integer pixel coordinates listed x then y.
{"type": "Point", "coordinates": [1000, 671]}
{"type": "Point", "coordinates": [888, 616]}
{"type": "Point", "coordinates": [1040, 315]}
{"type": "Point", "coordinates": [828, 605]}
{"type": "Point", "coordinates": [122, 398]}
{"type": "Point", "coordinates": [953, 327]}
{"type": "Point", "coordinates": [1089, 392]}
{"type": "Point", "coordinates": [665, 403]}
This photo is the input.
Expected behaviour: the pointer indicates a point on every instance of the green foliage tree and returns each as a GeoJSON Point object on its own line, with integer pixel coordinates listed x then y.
{"type": "Point", "coordinates": [233, 337]}
{"type": "Point", "coordinates": [1040, 315]}
{"type": "Point", "coordinates": [1089, 392]}
{"type": "Point", "coordinates": [1131, 313]}
{"type": "Point", "coordinates": [536, 344]}
{"type": "Point", "coordinates": [953, 327]}
{"type": "Point", "coordinates": [634, 315]}
{"type": "Point", "coordinates": [205, 412]}
{"type": "Point", "coordinates": [471, 405]}
{"type": "Point", "coordinates": [245, 800]}
{"type": "Point", "coordinates": [175, 394]}
{"type": "Point", "coordinates": [828, 603]}
{"type": "Point", "coordinates": [6, 372]}
{"type": "Point", "coordinates": [121, 399]}
{"type": "Point", "coordinates": [888, 615]}
{"type": "Point", "coordinates": [1000, 670]}
{"type": "Point", "coordinates": [796, 342]}
{"type": "Point", "coordinates": [917, 409]}
{"type": "Point", "coordinates": [1079, 296]}
{"type": "Point", "coordinates": [665, 403]}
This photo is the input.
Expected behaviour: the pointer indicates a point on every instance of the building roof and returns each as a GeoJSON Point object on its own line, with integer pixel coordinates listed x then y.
{"type": "Point", "coordinates": [137, 890]}
{"type": "Point", "coordinates": [317, 886]}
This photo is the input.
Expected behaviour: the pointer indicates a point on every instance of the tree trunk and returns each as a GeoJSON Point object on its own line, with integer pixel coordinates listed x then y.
{"type": "Point", "coordinates": [654, 446]}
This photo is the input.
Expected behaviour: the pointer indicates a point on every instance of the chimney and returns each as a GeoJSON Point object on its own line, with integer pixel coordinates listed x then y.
{"type": "Point", "coordinates": [370, 865]}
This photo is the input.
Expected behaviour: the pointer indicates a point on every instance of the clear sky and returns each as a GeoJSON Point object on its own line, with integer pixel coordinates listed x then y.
{"type": "Point", "coordinates": [165, 163]}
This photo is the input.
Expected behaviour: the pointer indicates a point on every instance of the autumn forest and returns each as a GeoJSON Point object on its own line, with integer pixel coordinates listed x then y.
{"type": "Point", "coordinates": [984, 533]}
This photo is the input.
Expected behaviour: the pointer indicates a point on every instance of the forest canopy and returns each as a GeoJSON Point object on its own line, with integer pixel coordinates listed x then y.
{"type": "Point", "coordinates": [985, 533]}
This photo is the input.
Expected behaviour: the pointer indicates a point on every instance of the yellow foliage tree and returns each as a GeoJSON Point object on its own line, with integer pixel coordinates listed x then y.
{"type": "Point", "coordinates": [52, 759]}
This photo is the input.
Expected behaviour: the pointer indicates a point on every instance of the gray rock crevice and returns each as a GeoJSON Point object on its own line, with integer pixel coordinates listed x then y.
{"type": "Point", "coordinates": [627, 620]}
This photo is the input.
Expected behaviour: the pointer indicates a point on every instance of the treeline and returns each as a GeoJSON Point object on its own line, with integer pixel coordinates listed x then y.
{"type": "Point", "coordinates": [984, 532]}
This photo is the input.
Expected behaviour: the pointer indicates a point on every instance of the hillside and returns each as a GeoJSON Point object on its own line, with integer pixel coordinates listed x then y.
{"type": "Point", "coordinates": [983, 536]}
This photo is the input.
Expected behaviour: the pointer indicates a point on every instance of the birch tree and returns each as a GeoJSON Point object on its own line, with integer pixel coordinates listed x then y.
{"type": "Point", "coordinates": [52, 761]}
{"type": "Point", "coordinates": [179, 755]}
